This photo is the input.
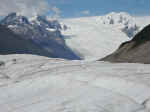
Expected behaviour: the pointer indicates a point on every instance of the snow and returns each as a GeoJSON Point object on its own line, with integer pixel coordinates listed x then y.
{"type": "Point", "coordinates": [51, 29]}
{"type": "Point", "coordinates": [95, 37]}
{"type": "Point", "coordinates": [30, 83]}
{"type": "Point", "coordinates": [40, 84]}
{"type": "Point", "coordinates": [92, 39]}
{"type": "Point", "coordinates": [12, 26]}
{"type": "Point", "coordinates": [123, 21]}
{"type": "Point", "coordinates": [121, 18]}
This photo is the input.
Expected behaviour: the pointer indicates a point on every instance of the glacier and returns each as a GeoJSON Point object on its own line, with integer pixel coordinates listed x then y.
{"type": "Point", "coordinates": [30, 83]}
{"type": "Point", "coordinates": [95, 37]}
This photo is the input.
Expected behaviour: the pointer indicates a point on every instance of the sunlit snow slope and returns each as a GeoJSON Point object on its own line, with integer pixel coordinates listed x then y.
{"type": "Point", "coordinates": [91, 38]}
{"type": "Point", "coordinates": [38, 84]}
{"type": "Point", "coordinates": [96, 37]}
{"type": "Point", "coordinates": [30, 83]}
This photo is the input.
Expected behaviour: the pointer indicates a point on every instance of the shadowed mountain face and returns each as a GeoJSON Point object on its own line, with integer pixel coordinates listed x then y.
{"type": "Point", "coordinates": [136, 50]}
{"type": "Point", "coordinates": [45, 33]}
{"type": "Point", "coordinates": [11, 43]}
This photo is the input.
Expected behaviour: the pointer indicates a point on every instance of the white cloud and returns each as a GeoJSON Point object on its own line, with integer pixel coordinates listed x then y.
{"type": "Point", "coordinates": [86, 12]}
{"type": "Point", "coordinates": [25, 7]}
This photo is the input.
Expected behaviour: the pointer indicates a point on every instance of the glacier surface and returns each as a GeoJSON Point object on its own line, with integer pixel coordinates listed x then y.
{"type": "Point", "coordinates": [31, 83]}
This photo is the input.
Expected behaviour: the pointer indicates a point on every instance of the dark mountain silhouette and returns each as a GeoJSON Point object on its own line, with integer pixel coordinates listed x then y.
{"type": "Point", "coordinates": [45, 33]}
{"type": "Point", "coordinates": [136, 50]}
{"type": "Point", "coordinates": [11, 43]}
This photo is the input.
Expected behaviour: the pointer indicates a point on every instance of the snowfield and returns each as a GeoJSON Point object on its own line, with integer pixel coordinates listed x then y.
{"type": "Point", "coordinates": [95, 37]}
{"type": "Point", "coordinates": [86, 36]}
{"type": "Point", "coordinates": [38, 84]}
{"type": "Point", "coordinates": [30, 83]}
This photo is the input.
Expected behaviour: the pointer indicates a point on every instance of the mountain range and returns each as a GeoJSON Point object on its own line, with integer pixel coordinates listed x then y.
{"type": "Point", "coordinates": [95, 37]}
{"type": "Point", "coordinates": [11, 43]}
{"type": "Point", "coordinates": [31, 83]}
{"type": "Point", "coordinates": [40, 31]}
{"type": "Point", "coordinates": [80, 38]}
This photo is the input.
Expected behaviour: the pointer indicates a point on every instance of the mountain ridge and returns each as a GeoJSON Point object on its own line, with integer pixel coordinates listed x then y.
{"type": "Point", "coordinates": [41, 31]}
{"type": "Point", "coordinates": [11, 43]}
{"type": "Point", "coordinates": [133, 51]}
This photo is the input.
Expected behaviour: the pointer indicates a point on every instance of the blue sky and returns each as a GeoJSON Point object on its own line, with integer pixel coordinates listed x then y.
{"type": "Point", "coordinates": [75, 8]}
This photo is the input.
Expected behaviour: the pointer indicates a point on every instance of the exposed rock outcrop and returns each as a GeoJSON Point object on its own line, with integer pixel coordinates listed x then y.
{"type": "Point", "coordinates": [11, 43]}
{"type": "Point", "coordinates": [136, 50]}
{"type": "Point", "coordinates": [45, 33]}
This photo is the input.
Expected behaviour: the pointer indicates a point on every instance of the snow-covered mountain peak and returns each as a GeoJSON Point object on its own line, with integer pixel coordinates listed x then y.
{"type": "Point", "coordinates": [19, 23]}
{"type": "Point", "coordinates": [123, 21]}
{"type": "Point", "coordinates": [95, 37]}
{"type": "Point", "coordinates": [117, 18]}
{"type": "Point", "coordinates": [15, 19]}
{"type": "Point", "coordinates": [41, 31]}
{"type": "Point", "coordinates": [45, 22]}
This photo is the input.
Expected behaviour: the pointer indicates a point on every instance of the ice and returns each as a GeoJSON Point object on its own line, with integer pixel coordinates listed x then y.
{"type": "Point", "coordinates": [94, 37]}
{"type": "Point", "coordinates": [30, 83]}
{"type": "Point", "coordinates": [40, 84]}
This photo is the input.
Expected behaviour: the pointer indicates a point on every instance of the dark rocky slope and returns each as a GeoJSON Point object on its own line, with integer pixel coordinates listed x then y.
{"type": "Point", "coordinates": [136, 50]}
{"type": "Point", "coordinates": [45, 33]}
{"type": "Point", "coordinates": [11, 43]}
